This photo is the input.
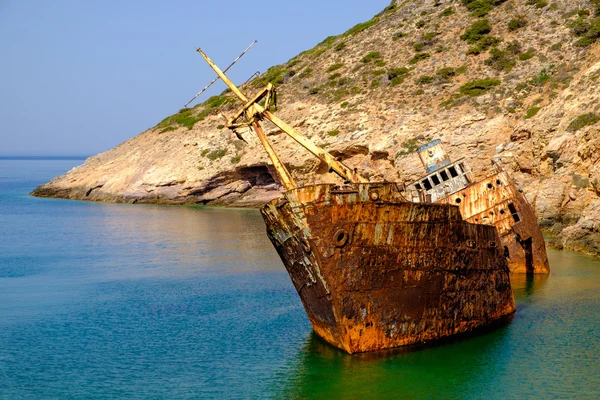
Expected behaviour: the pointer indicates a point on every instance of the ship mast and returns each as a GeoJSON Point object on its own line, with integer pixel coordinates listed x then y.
{"type": "Point", "coordinates": [252, 112]}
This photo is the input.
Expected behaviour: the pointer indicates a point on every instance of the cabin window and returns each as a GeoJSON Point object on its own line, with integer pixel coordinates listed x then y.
{"type": "Point", "coordinates": [418, 187]}
{"type": "Point", "coordinates": [513, 211]}
{"type": "Point", "coordinates": [426, 184]}
{"type": "Point", "coordinates": [490, 186]}
{"type": "Point", "coordinates": [444, 175]}
{"type": "Point", "coordinates": [435, 179]}
{"type": "Point", "coordinates": [498, 182]}
{"type": "Point", "coordinates": [453, 172]}
{"type": "Point", "coordinates": [461, 168]}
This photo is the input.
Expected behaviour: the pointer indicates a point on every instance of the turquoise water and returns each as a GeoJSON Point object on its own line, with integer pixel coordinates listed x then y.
{"type": "Point", "coordinates": [120, 301]}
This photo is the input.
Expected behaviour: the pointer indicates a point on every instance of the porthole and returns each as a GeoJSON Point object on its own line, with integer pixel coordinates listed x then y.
{"type": "Point", "coordinates": [458, 200]}
{"type": "Point", "coordinates": [498, 182]}
{"type": "Point", "coordinates": [502, 212]}
{"type": "Point", "coordinates": [490, 186]}
{"type": "Point", "coordinates": [340, 237]}
{"type": "Point", "coordinates": [374, 195]}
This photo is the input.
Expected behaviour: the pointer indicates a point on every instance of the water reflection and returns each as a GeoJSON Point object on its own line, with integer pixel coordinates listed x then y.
{"type": "Point", "coordinates": [550, 349]}
{"type": "Point", "coordinates": [181, 241]}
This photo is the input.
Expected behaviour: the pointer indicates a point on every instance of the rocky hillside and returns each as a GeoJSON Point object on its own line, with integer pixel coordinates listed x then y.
{"type": "Point", "coordinates": [513, 80]}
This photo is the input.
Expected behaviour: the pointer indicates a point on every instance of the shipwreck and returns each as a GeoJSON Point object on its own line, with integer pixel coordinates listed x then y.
{"type": "Point", "coordinates": [380, 265]}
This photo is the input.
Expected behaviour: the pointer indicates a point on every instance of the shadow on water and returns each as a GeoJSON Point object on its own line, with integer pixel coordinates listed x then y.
{"type": "Point", "coordinates": [449, 369]}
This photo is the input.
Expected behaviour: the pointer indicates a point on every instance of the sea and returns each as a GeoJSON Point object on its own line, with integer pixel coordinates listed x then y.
{"type": "Point", "coordinates": [105, 301]}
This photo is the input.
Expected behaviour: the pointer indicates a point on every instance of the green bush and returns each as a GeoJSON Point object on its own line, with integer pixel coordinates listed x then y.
{"type": "Point", "coordinates": [516, 23]}
{"type": "Point", "coordinates": [580, 26]}
{"type": "Point", "coordinates": [306, 72]}
{"type": "Point", "coordinates": [478, 87]}
{"type": "Point", "coordinates": [344, 104]}
{"type": "Point", "coordinates": [374, 55]}
{"type": "Point", "coordinates": [215, 154]}
{"type": "Point", "coordinates": [334, 76]}
{"type": "Point", "coordinates": [235, 159]}
{"type": "Point", "coordinates": [340, 46]}
{"type": "Point", "coordinates": [419, 46]}
{"type": "Point", "coordinates": [583, 121]}
{"type": "Point", "coordinates": [477, 31]}
{"type": "Point", "coordinates": [375, 83]}
{"type": "Point", "coordinates": [168, 129]}
{"type": "Point", "coordinates": [398, 80]}
{"type": "Point", "coordinates": [395, 72]}
{"type": "Point", "coordinates": [485, 43]}
{"type": "Point", "coordinates": [398, 35]}
{"type": "Point", "coordinates": [478, 8]}
{"type": "Point", "coordinates": [446, 73]}
{"type": "Point", "coordinates": [499, 60]}
{"type": "Point", "coordinates": [532, 111]}
{"type": "Point", "coordinates": [361, 27]}
{"type": "Point", "coordinates": [418, 57]}
{"type": "Point", "coordinates": [461, 70]}
{"type": "Point", "coordinates": [424, 79]}
{"type": "Point", "coordinates": [541, 78]}
{"type": "Point", "coordinates": [527, 55]}
{"type": "Point", "coordinates": [447, 12]}
{"type": "Point", "coordinates": [334, 132]}
{"type": "Point", "coordinates": [334, 67]}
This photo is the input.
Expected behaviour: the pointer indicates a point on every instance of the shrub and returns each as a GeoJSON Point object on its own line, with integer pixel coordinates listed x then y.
{"type": "Point", "coordinates": [540, 79]}
{"type": "Point", "coordinates": [215, 154]}
{"type": "Point", "coordinates": [220, 126]}
{"type": "Point", "coordinates": [361, 27]}
{"type": "Point", "coordinates": [344, 104]}
{"type": "Point", "coordinates": [375, 83]}
{"type": "Point", "coordinates": [424, 80]}
{"type": "Point", "coordinates": [478, 8]}
{"type": "Point", "coordinates": [446, 73]}
{"type": "Point", "coordinates": [340, 46]}
{"type": "Point", "coordinates": [478, 87]}
{"type": "Point", "coordinates": [168, 129]}
{"type": "Point", "coordinates": [516, 23]}
{"type": "Point", "coordinates": [418, 92]}
{"type": "Point", "coordinates": [447, 12]}
{"type": "Point", "coordinates": [584, 42]}
{"type": "Point", "coordinates": [580, 26]}
{"type": "Point", "coordinates": [418, 46]}
{"type": "Point", "coordinates": [556, 46]}
{"type": "Point", "coordinates": [527, 55]}
{"type": "Point", "coordinates": [461, 70]}
{"type": "Point", "coordinates": [418, 57]}
{"type": "Point", "coordinates": [374, 55]}
{"type": "Point", "coordinates": [583, 121]}
{"type": "Point", "coordinates": [315, 90]}
{"type": "Point", "coordinates": [541, 4]}
{"type": "Point", "coordinates": [532, 111]}
{"type": "Point", "coordinates": [334, 76]}
{"type": "Point", "coordinates": [420, 24]}
{"type": "Point", "coordinates": [334, 67]}
{"type": "Point", "coordinates": [499, 60]}
{"type": "Point", "coordinates": [305, 73]}
{"type": "Point", "coordinates": [514, 47]}
{"type": "Point", "coordinates": [334, 132]}
{"type": "Point", "coordinates": [485, 43]}
{"type": "Point", "coordinates": [398, 35]}
{"type": "Point", "coordinates": [398, 80]}
{"type": "Point", "coordinates": [477, 31]}
{"type": "Point", "coordinates": [235, 159]}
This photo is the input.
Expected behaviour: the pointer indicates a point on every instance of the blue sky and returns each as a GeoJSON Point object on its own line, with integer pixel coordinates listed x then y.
{"type": "Point", "coordinates": [80, 77]}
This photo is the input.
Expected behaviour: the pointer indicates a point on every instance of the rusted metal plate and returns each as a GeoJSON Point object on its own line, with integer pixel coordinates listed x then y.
{"type": "Point", "coordinates": [496, 201]}
{"type": "Point", "coordinates": [375, 271]}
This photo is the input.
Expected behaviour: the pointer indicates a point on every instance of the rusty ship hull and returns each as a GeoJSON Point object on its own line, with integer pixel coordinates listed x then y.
{"type": "Point", "coordinates": [375, 271]}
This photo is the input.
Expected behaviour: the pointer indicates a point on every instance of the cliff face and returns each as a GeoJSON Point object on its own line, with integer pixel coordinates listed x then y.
{"type": "Point", "coordinates": [511, 80]}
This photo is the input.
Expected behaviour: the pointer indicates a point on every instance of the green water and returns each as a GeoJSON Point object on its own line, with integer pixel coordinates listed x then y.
{"type": "Point", "coordinates": [102, 301]}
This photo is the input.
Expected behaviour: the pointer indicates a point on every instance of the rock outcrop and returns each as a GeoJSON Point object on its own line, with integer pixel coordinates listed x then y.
{"type": "Point", "coordinates": [516, 81]}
